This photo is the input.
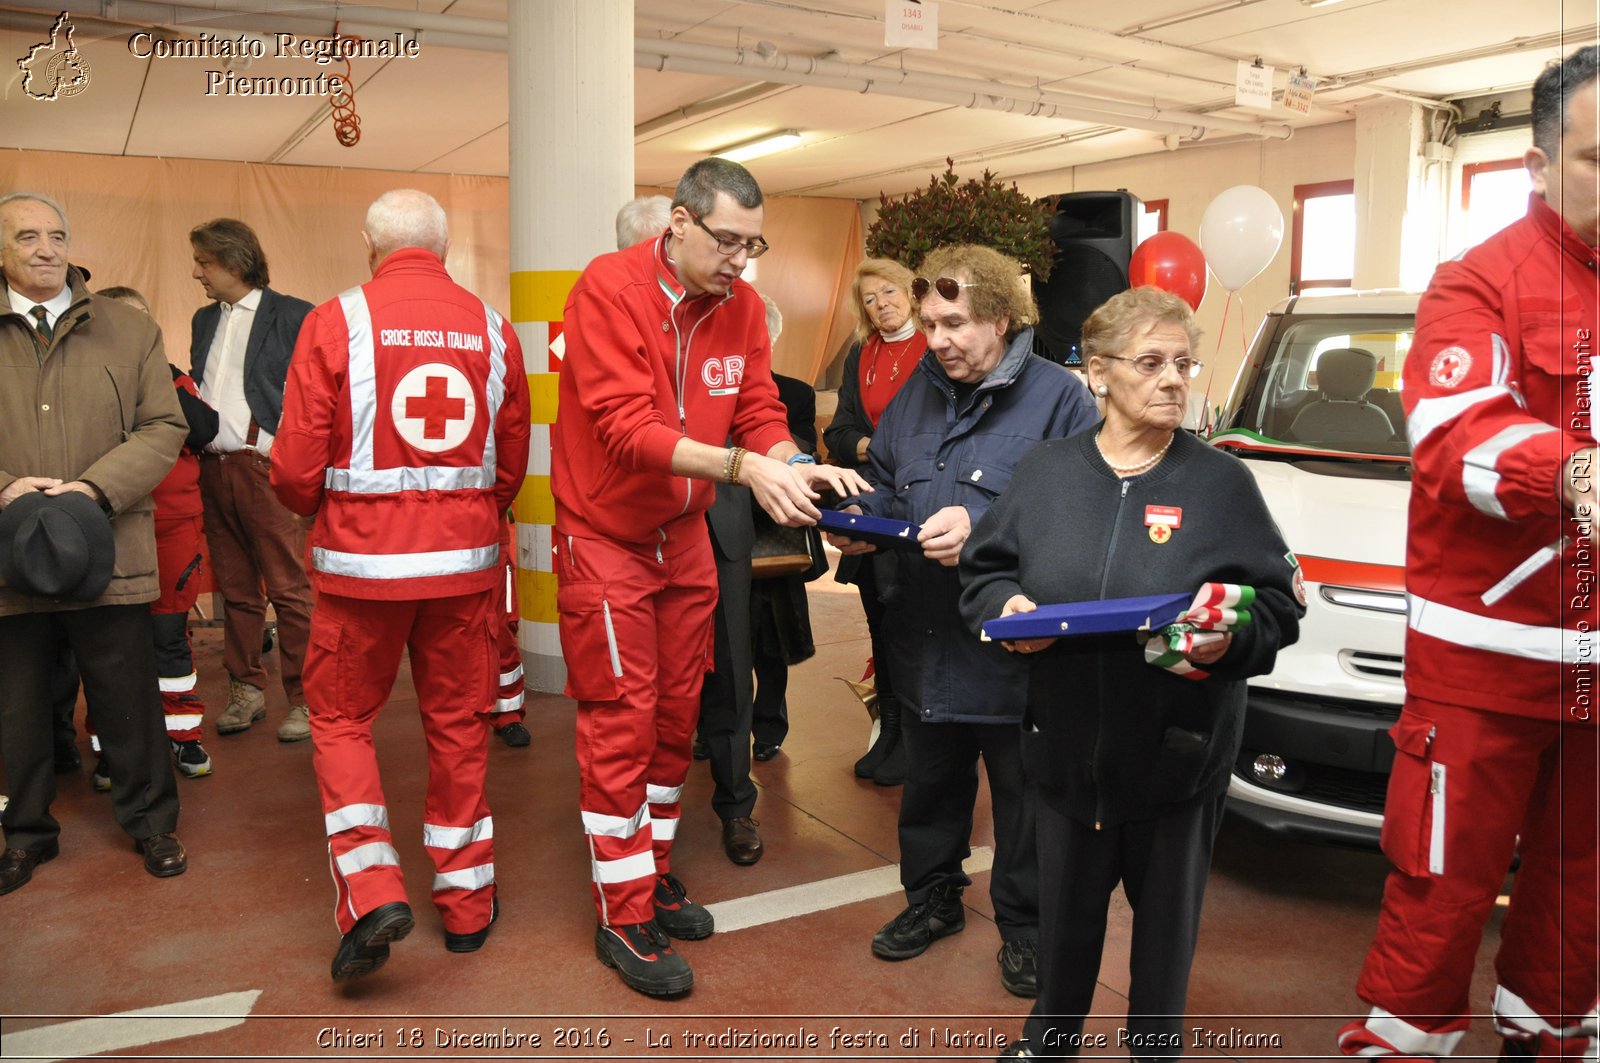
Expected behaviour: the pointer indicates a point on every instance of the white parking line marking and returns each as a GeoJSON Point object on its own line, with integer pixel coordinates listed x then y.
{"type": "Point", "coordinates": [130, 1029]}
{"type": "Point", "coordinates": [794, 901]}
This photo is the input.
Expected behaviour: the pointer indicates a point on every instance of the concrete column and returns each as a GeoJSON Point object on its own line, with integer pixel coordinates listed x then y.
{"type": "Point", "coordinates": [1397, 197]}
{"type": "Point", "coordinates": [571, 96]}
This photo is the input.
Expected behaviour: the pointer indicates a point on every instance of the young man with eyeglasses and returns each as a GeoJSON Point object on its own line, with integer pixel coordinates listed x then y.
{"type": "Point", "coordinates": [666, 358]}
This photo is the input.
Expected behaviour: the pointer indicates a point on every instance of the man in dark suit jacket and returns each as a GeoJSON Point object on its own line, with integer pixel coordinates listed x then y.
{"type": "Point", "coordinates": [239, 353]}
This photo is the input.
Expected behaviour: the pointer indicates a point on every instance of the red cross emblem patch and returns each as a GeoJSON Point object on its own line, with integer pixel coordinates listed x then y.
{"type": "Point", "coordinates": [433, 407]}
{"type": "Point", "coordinates": [1450, 367]}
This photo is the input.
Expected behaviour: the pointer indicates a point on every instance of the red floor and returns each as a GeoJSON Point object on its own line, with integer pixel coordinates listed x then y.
{"type": "Point", "coordinates": [1285, 927]}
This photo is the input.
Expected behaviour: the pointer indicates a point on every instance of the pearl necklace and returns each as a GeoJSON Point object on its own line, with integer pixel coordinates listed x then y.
{"type": "Point", "coordinates": [1130, 469]}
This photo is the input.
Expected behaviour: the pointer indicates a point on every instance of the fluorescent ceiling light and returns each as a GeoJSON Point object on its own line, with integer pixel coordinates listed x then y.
{"type": "Point", "coordinates": [769, 144]}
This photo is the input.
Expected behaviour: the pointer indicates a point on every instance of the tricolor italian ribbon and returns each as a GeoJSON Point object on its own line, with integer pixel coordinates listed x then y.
{"type": "Point", "coordinates": [1218, 608]}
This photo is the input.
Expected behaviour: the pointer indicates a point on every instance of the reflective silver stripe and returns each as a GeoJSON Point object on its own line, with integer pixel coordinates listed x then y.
{"type": "Point", "coordinates": [1436, 835]}
{"type": "Point", "coordinates": [1517, 576]}
{"type": "Point", "coordinates": [420, 478]}
{"type": "Point", "coordinates": [183, 723]}
{"type": "Point", "coordinates": [1479, 477]}
{"type": "Point", "coordinates": [363, 377]}
{"type": "Point", "coordinates": [1514, 1016]}
{"type": "Point", "coordinates": [373, 854]}
{"type": "Point", "coordinates": [611, 639]}
{"type": "Point", "coordinates": [351, 816]}
{"type": "Point", "coordinates": [1431, 414]}
{"type": "Point", "coordinates": [1500, 359]}
{"type": "Point", "coordinates": [1411, 1040]}
{"type": "Point", "coordinates": [628, 869]}
{"type": "Point", "coordinates": [180, 685]}
{"type": "Point", "coordinates": [437, 837]}
{"type": "Point", "coordinates": [507, 704]}
{"type": "Point", "coordinates": [614, 826]}
{"type": "Point", "coordinates": [663, 829]}
{"type": "Point", "coordinates": [511, 676]}
{"type": "Point", "coordinates": [1448, 624]}
{"type": "Point", "coordinates": [405, 566]}
{"type": "Point", "coordinates": [468, 878]}
{"type": "Point", "coordinates": [662, 795]}
{"type": "Point", "coordinates": [494, 388]}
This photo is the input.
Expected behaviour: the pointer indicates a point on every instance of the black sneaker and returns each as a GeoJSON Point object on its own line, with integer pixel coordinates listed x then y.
{"type": "Point", "coordinates": [515, 735]}
{"type": "Point", "coordinates": [920, 925]}
{"type": "Point", "coordinates": [1019, 967]}
{"type": "Point", "coordinates": [191, 758]}
{"type": "Point", "coordinates": [474, 941]}
{"type": "Point", "coordinates": [366, 947]}
{"type": "Point", "coordinates": [102, 776]}
{"type": "Point", "coordinates": [639, 952]}
{"type": "Point", "coordinates": [677, 915]}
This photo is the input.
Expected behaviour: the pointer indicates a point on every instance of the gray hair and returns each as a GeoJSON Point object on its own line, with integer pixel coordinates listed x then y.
{"type": "Point", "coordinates": [40, 197]}
{"type": "Point", "coordinates": [642, 219]}
{"type": "Point", "coordinates": [700, 183]}
{"type": "Point", "coordinates": [774, 319]}
{"type": "Point", "coordinates": [405, 217]}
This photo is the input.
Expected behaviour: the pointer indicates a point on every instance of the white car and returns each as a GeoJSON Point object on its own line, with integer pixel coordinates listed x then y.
{"type": "Point", "coordinates": [1315, 414]}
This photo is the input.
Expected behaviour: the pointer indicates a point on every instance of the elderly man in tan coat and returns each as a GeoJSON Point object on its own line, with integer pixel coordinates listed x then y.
{"type": "Point", "coordinates": [92, 423]}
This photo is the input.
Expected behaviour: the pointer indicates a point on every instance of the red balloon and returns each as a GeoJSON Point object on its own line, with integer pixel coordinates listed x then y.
{"type": "Point", "coordinates": [1173, 263]}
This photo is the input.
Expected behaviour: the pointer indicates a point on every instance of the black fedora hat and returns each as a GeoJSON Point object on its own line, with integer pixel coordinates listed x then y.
{"type": "Point", "coordinates": [56, 546]}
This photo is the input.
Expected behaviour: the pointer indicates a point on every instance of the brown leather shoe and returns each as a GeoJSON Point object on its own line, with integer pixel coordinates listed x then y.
{"type": "Point", "coordinates": [163, 855]}
{"type": "Point", "coordinates": [740, 840]}
{"type": "Point", "coordinates": [16, 866]}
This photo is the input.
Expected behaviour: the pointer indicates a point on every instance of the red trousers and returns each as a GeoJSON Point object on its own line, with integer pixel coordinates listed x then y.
{"type": "Point", "coordinates": [350, 668]}
{"type": "Point", "coordinates": [636, 635]}
{"type": "Point", "coordinates": [1469, 788]}
{"type": "Point", "coordinates": [507, 706]}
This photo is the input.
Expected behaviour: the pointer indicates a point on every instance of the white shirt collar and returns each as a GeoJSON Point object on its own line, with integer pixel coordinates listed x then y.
{"type": "Point", "coordinates": [54, 306]}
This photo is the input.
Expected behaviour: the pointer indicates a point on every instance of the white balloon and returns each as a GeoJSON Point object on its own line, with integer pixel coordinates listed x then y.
{"type": "Point", "coordinates": [1240, 234]}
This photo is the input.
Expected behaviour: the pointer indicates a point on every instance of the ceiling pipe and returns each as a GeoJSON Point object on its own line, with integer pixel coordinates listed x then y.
{"type": "Point", "coordinates": [965, 92]}
{"type": "Point", "coordinates": [709, 105]}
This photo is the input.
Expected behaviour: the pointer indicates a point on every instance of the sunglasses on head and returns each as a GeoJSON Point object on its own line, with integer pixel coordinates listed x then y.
{"type": "Point", "coordinates": [946, 287]}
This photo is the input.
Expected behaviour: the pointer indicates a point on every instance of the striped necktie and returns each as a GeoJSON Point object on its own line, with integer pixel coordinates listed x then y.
{"type": "Point", "coordinates": [41, 315]}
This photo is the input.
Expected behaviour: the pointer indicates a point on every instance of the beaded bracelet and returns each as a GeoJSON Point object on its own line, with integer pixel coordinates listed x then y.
{"type": "Point", "coordinates": [730, 468]}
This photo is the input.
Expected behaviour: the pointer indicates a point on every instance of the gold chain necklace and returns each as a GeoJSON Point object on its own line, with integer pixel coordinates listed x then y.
{"type": "Point", "coordinates": [1142, 466]}
{"type": "Point", "coordinates": [894, 365]}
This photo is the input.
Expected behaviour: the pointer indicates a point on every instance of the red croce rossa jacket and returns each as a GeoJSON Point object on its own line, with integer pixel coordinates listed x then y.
{"type": "Point", "coordinates": [1500, 575]}
{"type": "Point", "coordinates": [644, 366]}
{"type": "Point", "coordinates": [405, 430]}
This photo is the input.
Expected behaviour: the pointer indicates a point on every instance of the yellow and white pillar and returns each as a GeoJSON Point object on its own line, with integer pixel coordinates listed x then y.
{"type": "Point", "coordinates": [571, 97]}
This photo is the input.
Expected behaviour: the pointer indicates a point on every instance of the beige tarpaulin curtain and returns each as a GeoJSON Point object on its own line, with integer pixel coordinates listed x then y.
{"type": "Point", "coordinates": [131, 218]}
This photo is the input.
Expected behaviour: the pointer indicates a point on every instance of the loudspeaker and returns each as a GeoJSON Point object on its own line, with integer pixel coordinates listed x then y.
{"type": "Point", "coordinates": [1094, 233]}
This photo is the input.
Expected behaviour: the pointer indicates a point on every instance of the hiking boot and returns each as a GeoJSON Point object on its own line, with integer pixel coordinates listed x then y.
{"type": "Point", "coordinates": [366, 947]}
{"type": "Point", "coordinates": [920, 925]}
{"type": "Point", "coordinates": [296, 727]}
{"type": "Point", "coordinates": [1019, 967]}
{"type": "Point", "coordinates": [191, 758]}
{"type": "Point", "coordinates": [102, 776]}
{"type": "Point", "coordinates": [677, 915]}
{"type": "Point", "coordinates": [639, 952]}
{"type": "Point", "coordinates": [246, 705]}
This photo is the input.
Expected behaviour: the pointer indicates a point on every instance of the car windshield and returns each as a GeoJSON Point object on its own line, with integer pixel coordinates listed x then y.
{"type": "Point", "coordinates": [1327, 383]}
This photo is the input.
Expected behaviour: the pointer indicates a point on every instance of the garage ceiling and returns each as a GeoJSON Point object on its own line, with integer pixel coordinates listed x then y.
{"type": "Point", "coordinates": [1056, 83]}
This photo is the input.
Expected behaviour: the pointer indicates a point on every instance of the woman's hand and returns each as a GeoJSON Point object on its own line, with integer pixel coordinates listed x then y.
{"type": "Point", "coordinates": [861, 448]}
{"type": "Point", "coordinates": [1021, 603]}
{"type": "Point", "coordinates": [944, 534]}
{"type": "Point", "coordinates": [1209, 646]}
{"type": "Point", "coordinates": [846, 545]}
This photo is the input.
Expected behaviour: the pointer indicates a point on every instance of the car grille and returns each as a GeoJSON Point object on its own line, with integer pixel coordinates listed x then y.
{"type": "Point", "coordinates": [1384, 666]}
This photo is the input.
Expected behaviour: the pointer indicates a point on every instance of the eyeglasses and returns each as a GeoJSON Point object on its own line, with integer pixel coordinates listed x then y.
{"type": "Point", "coordinates": [752, 248]}
{"type": "Point", "coordinates": [1153, 364]}
{"type": "Point", "coordinates": [947, 288]}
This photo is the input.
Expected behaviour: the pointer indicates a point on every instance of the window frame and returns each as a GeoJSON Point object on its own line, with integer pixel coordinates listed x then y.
{"type": "Point", "coordinates": [1473, 169]}
{"type": "Point", "coordinates": [1314, 190]}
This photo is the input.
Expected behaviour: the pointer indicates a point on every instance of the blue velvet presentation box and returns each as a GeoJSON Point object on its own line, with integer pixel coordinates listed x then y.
{"type": "Point", "coordinates": [1148, 613]}
{"type": "Point", "coordinates": [881, 531]}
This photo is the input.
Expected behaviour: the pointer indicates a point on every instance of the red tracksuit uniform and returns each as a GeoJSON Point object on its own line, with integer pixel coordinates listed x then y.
{"type": "Point", "coordinates": [508, 706]}
{"type": "Point", "coordinates": [405, 430]}
{"type": "Point", "coordinates": [1497, 739]}
{"type": "Point", "coordinates": [636, 584]}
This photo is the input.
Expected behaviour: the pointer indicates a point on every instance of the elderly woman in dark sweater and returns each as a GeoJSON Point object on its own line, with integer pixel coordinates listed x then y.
{"type": "Point", "coordinates": [974, 405]}
{"type": "Point", "coordinates": [1130, 749]}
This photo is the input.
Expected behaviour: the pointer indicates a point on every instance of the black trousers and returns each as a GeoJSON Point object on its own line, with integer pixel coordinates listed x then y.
{"type": "Point", "coordinates": [1162, 864]}
{"type": "Point", "coordinates": [936, 816]}
{"type": "Point", "coordinates": [116, 658]}
{"type": "Point", "coordinates": [726, 696]}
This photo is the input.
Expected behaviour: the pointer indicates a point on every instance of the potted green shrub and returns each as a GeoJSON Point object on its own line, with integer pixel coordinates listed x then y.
{"type": "Point", "coordinates": [952, 211]}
